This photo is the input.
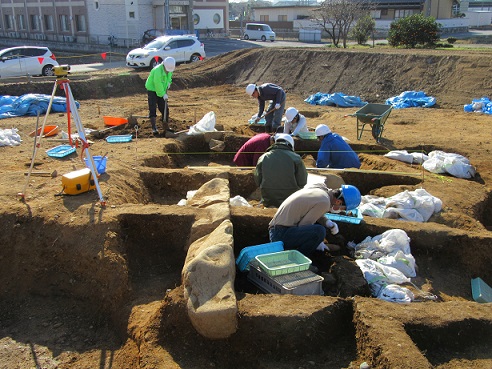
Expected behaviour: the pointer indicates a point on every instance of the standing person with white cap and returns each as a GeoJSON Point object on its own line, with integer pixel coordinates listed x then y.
{"type": "Point", "coordinates": [157, 84]}
{"type": "Point", "coordinates": [296, 122]}
{"type": "Point", "coordinates": [276, 95]}
{"type": "Point", "coordinates": [280, 171]}
{"type": "Point", "coordinates": [334, 152]}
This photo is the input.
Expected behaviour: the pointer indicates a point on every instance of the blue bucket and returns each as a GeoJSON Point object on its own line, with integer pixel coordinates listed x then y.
{"type": "Point", "coordinates": [99, 162]}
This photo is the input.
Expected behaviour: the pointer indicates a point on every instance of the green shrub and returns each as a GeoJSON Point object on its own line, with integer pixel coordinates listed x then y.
{"type": "Point", "coordinates": [451, 40]}
{"type": "Point", "coordinates": [362, 30]}
{"type": "Point", "coordinates": [414, 30]}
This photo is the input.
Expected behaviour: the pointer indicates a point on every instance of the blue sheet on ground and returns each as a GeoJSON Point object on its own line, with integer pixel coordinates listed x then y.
{"type": "Point", "coordinates": [483, 105]}
{"type": "Point", "coordinates": [30, 104]}
{"type": "Point", "coordinates": [335, 99]}
{"type": "Point", "coordinates": [411, 99]}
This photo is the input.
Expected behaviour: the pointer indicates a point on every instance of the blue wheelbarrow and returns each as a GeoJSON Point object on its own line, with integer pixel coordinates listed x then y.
{"type": "Point", "coordinates": [373, 114]}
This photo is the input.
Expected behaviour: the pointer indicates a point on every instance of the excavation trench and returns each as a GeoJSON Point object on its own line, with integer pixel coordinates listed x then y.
{"type": "Point", "coordinates": [135, 260]}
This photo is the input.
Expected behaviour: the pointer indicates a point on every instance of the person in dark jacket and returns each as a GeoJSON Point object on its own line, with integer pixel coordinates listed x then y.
{"type": "Point", "coordinates": [334, 152]}
{"type": "Point", "coordinates": [250, 152]}
{"type": "Point", "coordinates": [276, 95]}
{"type": "Point", "coordinates": [280, 171]}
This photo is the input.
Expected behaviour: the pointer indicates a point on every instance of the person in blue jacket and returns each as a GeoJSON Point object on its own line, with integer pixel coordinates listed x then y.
{"type": "Point", "coordinates": [334, 152]}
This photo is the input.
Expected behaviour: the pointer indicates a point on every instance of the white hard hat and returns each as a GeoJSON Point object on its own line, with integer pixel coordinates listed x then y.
{"type": "Point", "coordinates": [322, 130]}
{"type": "Point", "coordinates": [291, 113]}
{"type": "Point", "coordinates": [170, 64]}
{"type": "Point", "coordinates": [250, 89]}
{"type": "Point", "coordinates": [285, 137]}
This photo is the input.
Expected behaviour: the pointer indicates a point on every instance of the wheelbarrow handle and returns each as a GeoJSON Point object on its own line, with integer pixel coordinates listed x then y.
{"type": "Point", "coordinates": [350, 115]}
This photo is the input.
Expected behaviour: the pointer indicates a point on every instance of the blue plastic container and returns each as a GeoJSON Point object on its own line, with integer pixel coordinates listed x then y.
{"type": "Point", "coordinates": [248, 253]}
{"type": "Point", "coordinates": [100, 163]}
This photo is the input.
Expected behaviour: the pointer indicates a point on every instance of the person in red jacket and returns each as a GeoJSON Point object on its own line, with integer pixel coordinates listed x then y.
{"type": "Point", "coordinates": [250, 152]}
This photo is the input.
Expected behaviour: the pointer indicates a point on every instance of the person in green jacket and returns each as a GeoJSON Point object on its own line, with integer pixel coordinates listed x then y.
{"type": "Point", "coordinates": [280, 171]}
{"type": "Point", "coordinates": [157, 84]}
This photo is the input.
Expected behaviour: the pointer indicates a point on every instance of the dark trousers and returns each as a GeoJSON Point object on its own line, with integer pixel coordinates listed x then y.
{"type": "Point", "coordinates": [155, 102]}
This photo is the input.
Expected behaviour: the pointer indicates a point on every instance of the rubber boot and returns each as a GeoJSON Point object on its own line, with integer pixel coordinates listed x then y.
{"type": "Point", "coordinates": [154, 128]}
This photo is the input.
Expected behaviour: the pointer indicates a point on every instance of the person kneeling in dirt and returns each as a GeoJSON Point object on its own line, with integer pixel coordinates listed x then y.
{"type": "Point", "coordinates": [301, 222]}
{"type": "Point", "coordinates": [334, 152]}
{"type": "Point", "coordinates": [157, 84]}
{"type": "Point", "coordinates": [280, 171]}
{"type": "Point", "coordinates": [276, 95]}
{"type": "Point", "coordinates": [295, 122]}
{"type": "Point", "coordinates": [250, 152]}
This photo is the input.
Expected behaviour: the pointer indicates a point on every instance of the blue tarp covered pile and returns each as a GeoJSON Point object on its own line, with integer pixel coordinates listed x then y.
{"type": "Point", "coordinates": [31, 104]}
{"type": "Point", "coordinates": [483, 105]}
{"type": "Point", "coordinates": [336, 99]}
{"type": "Point", "coordinates": [411, 99]}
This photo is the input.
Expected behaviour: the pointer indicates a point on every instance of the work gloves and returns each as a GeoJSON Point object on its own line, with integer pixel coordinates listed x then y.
{"type": "Point", "coordinates": [277, 106]}
{"type": "Point", "coordinates": [332, 226]}
{"type": "Point", "coordinates": [165, 97]}
{"type": "Point", "coordinates": [322, 247]}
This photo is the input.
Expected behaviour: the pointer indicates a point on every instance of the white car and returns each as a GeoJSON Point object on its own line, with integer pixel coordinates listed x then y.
{"type": "Point", "coordinates": [183, 49]}
{"type": "Point", "coordinates": [27, 60]}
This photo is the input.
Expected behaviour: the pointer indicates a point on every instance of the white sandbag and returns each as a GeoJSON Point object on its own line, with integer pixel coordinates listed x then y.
{"type": "Point", "coordinates": [372, 210]}
{"type": "Point", "coordinates": [404, 263]}
{"type": "Point", "coordinates": [395, 293]}
{"type": "Point", "coordinates": [455, 164]}
{"type": "Point", "coordinates": [401, 155]}
{"type": "Point", "coordinates": [239, 201]}
{"type": "Point", "coordinates": [10, 137]}
{"type": "Point", "coordinates": [375, 272]}
{"type": "Point", "coordinates": [419, 157]}
{"type": "Point", "coordinates": [393, 240]}
{"type": "Point", "coordinates": [411, 215]}
{"type": "Point", "coordinates": [206, 124]}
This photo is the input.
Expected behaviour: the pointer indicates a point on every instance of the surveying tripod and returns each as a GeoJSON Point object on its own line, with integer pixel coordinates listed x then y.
{"type": "Point", "coordinates": [61, 73]}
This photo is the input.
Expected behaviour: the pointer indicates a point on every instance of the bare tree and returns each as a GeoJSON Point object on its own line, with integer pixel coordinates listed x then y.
{"type": "Point", "coordinates": [337, 16]}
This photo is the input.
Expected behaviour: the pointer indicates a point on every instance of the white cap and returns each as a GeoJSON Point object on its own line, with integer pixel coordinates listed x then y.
{"type": "Point", "coordinates": [322, 130]}
{"type": "Point", "coordinates": [250, 89]}
{"type": "Point", "coordinates": [291, 113]}
{"type": "Point", "coordinates": [285, 137]}
{"type": "Point", "coordinates": [170, 64]}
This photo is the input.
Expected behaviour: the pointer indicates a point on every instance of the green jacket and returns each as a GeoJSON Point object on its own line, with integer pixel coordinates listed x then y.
{"type": "Point", "coordinates": [159, 80]}
{"type": "Point", "coordinates": [279, 173]}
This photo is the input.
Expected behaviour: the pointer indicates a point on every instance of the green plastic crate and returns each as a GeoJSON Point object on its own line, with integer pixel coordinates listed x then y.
{"type": "Point", "coordinates": [283, 262]}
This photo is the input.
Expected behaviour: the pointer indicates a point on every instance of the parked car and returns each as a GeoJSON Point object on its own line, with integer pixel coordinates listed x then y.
{"type": "Point", "coordinates": [151, 35]}
{"type": "Point", "coordinates": [183, 49]}
{"type": "Point", "coordinates": [258, 31]}
{"type": "Point", "coordinates": [27, 60]}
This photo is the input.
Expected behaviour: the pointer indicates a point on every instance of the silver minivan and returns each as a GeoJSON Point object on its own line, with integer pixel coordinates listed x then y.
{"type": "Point", "coordinates": [258, 31]}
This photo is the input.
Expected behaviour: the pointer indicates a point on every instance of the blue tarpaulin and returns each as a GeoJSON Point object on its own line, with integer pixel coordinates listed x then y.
{"type": "Point", "coordinates": [411, 99]}
{"type": "Point", "coordinates": [335, 99]}
{"type": "Point", "coordinates": [483, 105]}
{"type": "Point", "coordinates": [31, 104]}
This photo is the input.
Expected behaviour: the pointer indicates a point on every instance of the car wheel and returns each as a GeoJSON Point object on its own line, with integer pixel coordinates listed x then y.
{"type": "Point", "coordinates": [246, 37]}
{"type": "Point", "coordinates": [154, 63]}
{"type": "Point", "coordinates": [48, 70]}
{"type": "Point", "coordinates": [263, 38]}
{"type": "Point", "coordinates": [195, 58]}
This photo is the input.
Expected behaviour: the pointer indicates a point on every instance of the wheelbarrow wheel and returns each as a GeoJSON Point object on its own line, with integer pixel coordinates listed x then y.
{"type": "Point", "coordinates": [377, 130]}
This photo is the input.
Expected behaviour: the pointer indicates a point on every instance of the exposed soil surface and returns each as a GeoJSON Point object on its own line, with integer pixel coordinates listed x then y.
{"type": "Point", "coordinates": [91, 286]}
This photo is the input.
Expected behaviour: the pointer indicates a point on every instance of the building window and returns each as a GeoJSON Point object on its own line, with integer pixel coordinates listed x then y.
{"type": "Point", "coordinates": [9, 22]}
{"type": "Point", "coordinates": [35, 24]}
{"type": "Point", "coordinates": [264, 18]}
{"type": "Point", "coordinates": [48, 22]}
{"type": "Point", "coordinates": [196, 19]}
{"type": "Point", "coordinates": [131, 15]}
{"type": "Point", "coordinates": [384, 11]}
{"type": "Point", "coordinates": [216, 18]}
{"type": "Point", "coordinates": [80, 23]}
{"type": "Point", "coordinates": [64, 23]}
{"type": "Point", "coordinates": [282, 18]}
{"type": "Point", "coordinates": [403, 13]}
{"type": "Point", "coordinates": [21, 23]}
